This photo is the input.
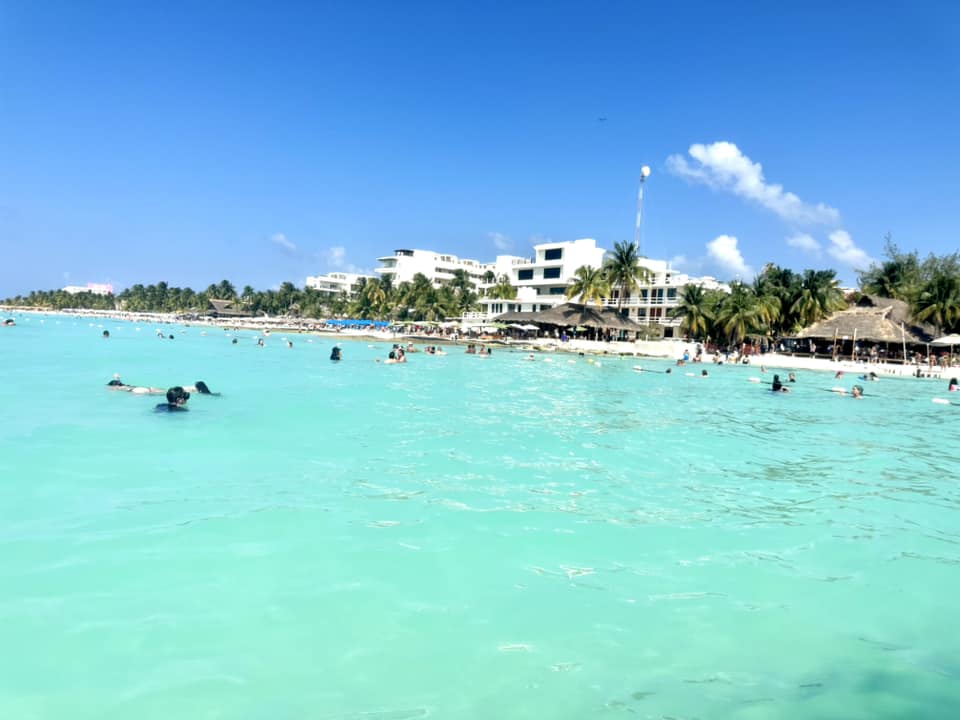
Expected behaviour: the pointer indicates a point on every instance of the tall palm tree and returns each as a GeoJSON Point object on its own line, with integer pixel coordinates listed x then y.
{"type": "Point", "coordinates": [739, 313]}
{"type": "Point", "coordinates": [819, 296]}
{"type": "Point", "coordinates": [589, 283]}
{"type": "Point", "coordinates": [624, 271]}
{"type": "Point", "coordinates": [694, 310]}
{"type": "Point", "coordinates": [939, 302]}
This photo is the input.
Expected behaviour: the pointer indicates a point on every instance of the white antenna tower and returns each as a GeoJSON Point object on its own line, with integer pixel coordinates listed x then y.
{"type": "Point", "coordinates": [644, 174]}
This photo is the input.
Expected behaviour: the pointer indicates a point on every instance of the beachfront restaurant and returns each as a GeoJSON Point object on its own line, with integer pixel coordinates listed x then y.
{"type": "Point", "coordinates": [588, 321]}
{"type": "Point", "coordinates": [874, 329]}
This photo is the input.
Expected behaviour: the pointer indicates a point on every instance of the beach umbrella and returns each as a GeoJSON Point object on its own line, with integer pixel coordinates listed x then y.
{"type": "Point", "coordinates": [529, 327]}
{"type": "Point", "coordinates": [950, 340]}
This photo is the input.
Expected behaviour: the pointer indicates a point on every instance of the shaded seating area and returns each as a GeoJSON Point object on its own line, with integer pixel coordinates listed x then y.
{"type": "Point", "coordinates": [596, 322]}
{"type": "Point", "coordinates": [874, 329]}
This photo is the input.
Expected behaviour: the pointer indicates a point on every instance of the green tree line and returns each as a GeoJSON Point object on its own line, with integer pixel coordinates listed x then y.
{"type": "Point", "coordinates": [778, 301]}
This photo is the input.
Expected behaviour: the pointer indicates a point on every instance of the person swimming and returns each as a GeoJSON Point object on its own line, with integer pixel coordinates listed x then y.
{"type": "Point", "coordinates": [792, 377]}
{"type": "Point", "coordinates": [200, 387]}
{"type": "Point", "coordinates": [872, 377]}
{"type": "Point", "coordinates": [954, 386]}
{"type": "Point", "coordinates": [176, 400]}
{"type": "Point", "coordinates": [335, 353]}
{"type": "Point", "coordinates": [778, 386]}
{"type": "Point", "coordinates": [857, 392]}
{"type": "Point", "coordinates": [106, 334]}
{"type": "Point", "coordinates": [117, 383]}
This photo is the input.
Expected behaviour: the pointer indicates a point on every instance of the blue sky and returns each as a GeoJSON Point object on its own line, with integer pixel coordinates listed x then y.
{"type": "Point", "coordinates": [263, 142]}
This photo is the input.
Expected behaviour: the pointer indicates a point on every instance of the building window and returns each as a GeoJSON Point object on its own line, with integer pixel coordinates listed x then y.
{"type": "Point", "coordinates": [558, 290]}
{"type": "Point", "coordinates": [672, 294]}
{"type": "Point", "coordinates": [525, 274]}
{"type": "Point", "coordinates": [553, 254]}
{"type": "Point", "coordinates": [551, 273]}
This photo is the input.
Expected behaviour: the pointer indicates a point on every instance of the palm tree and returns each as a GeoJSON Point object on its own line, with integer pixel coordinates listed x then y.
{"type": "Point", "coordinates": [899, 276]}
{"type": "Point", "coordinates": [820, 295]}
{"type": "Point", "coordinates": [589, 283]}
{"type": "Point", "coordinates": [739, 313]}
{"type": "Point", "coordinates": [694, 309]}
{"type": "Point", "coordinates": [939, 302]}
{"type": "Point", "coordinates": [503, 289]}
{"type": "Point", "coordinates": [624, 271]}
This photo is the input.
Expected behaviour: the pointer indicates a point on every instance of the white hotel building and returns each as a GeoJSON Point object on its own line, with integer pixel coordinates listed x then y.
{"type": "Point", "coordinates": [336, 283]}
{"type": "Point", "coordinates": [437, 267]}
{"type": "Point", "coordinates": [542, 280]}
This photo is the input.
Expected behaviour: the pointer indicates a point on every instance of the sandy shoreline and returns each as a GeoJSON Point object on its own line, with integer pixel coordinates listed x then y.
{"type": "Point", "coordinates": [666, 349]}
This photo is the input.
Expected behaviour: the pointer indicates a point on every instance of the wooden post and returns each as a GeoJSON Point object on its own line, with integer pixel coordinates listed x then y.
{"type": "Point", "coordinates": [853, 348]}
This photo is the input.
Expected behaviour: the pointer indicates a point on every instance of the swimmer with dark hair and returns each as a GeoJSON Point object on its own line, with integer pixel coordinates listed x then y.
{"type": "Point", "coordinates": [176, 400]}
{"type": "Point", "coordinates": [335, 354]}
{"type": "Point", "coordinates": [106, 334]}
{"type": "Point", "coordinates": [778, 386]}
{"type": "Point", "coordinates": [200, 387]}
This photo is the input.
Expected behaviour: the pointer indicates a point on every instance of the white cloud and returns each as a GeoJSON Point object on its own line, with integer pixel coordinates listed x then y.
{"type": "Point", "coordinates": [500, 241]}
{"type": "Point", "coordinates": [281, 240]}
{"type": "Point", "coordinates": [843, 249]}
{"type": "Point", "coordinates": [336, 257]}
{"type": "Point", "coordinates": [803, 241]}
{"type": "Point", "coordinates": [721, 165]}
{"type": "Point", "coordinates": [724, 251]}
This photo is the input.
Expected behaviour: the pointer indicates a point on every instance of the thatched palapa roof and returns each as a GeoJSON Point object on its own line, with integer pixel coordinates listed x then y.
{"type": "Point", "coordinates": [226, 308]}
{"type": "Point", "coordinates": [573, 315]}
{"type": "Point", "coordinates": [872, 319]}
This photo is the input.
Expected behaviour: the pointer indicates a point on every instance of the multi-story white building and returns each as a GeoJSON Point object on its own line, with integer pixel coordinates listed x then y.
{"type": "Point", "coordinates": [437, 267]}
{"type": "Point", "coordinates": [336, 283]}
{"type": "Point", "coordinates": [541, 281]}
{"type": "Point", "coordinates": [95, 288]}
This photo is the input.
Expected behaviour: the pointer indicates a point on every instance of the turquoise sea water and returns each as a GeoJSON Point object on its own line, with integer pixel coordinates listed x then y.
{"type": "Point", "coordinates": [461, 537]}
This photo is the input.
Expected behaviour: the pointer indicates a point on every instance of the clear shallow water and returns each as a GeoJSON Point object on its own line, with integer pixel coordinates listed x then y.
{"type": "Point", "coordinates": [463, 537]}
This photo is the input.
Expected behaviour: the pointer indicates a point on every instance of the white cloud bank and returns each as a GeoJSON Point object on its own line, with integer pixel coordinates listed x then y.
{"type": "Point", "coordinates": [843, 249]}
{"type": "Point", "coordinates": [724, 252]}
{"type": "Point", "coordinates": [721, 165]}
{"type": "Point", "coordinates": [803, 241]}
